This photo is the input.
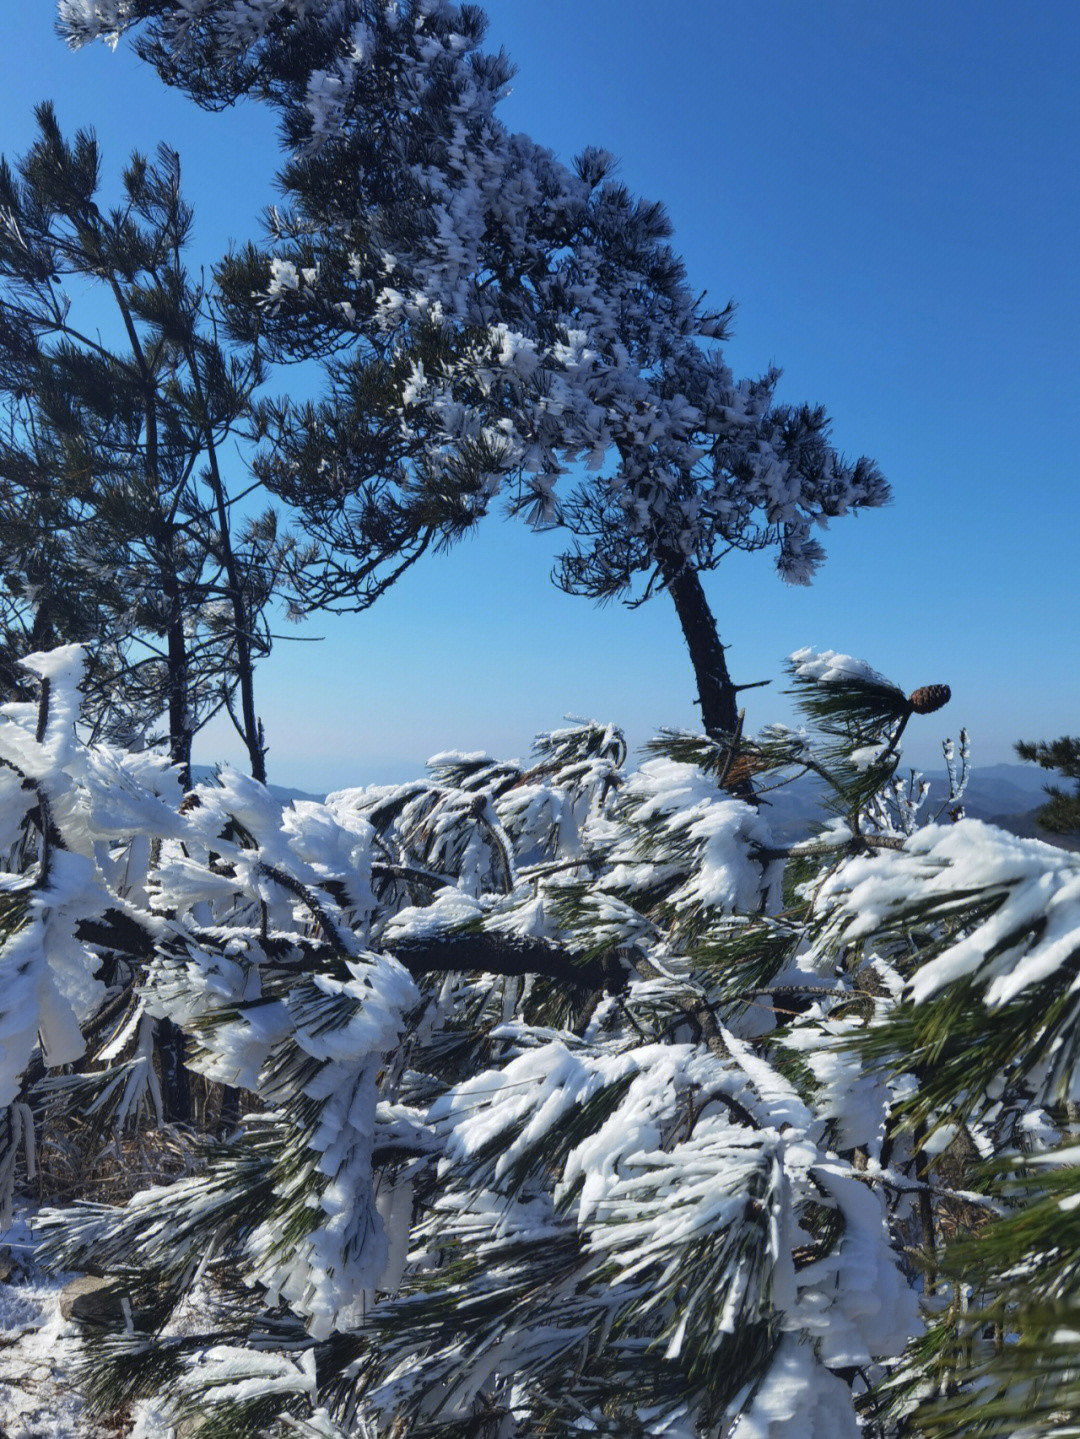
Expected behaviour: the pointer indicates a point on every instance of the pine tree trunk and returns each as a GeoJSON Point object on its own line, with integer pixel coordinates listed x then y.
{"type": "Point", "coordinates": [717, 694]}
{"type": "Point", "coordinates": [230, 1108]}
{"type": "Point", "coordinates": [245, 662]}
{"type": "Point", "coordinates": [179, 728]}
{"type": "Point", "coordinates": [175, 1085]}
{"type": "Point", "coordinates": [41, 636]}
{"type": "Point", "coordinates": [177, 682]}
{"type": "Point", "coordinates": [250, 725]}
{"type": "Point", "coordinates": [175, 1081]}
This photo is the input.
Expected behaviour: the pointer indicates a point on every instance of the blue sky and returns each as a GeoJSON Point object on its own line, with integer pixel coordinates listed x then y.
{"type": "Point", "coordinates": [891, 195]}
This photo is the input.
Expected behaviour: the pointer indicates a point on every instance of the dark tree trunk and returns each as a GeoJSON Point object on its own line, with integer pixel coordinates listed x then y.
{"type": "Point", "coordinates": [179, 727]}
{"type": "Point", "coordinates": [41, 636]}
{"type": "Point", "coordinates": [175, 1081]}
{"type": "Point", "coordinates": [230, 1107]}
{"type": "Point", "coordinates": [250, 725]}
{"type": "Point", "coordinates": [175, 1086]}
{"type": "Point", "coordinates": [717, 694]}
{"type": "Point", "coordinates": [253, 730]}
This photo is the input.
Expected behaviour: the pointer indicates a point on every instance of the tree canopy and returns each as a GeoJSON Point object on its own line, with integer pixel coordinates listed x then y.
{"type": "Point", "coordinates": [494, 322]}
{"type": "Point", "coordinates": [119, 529]}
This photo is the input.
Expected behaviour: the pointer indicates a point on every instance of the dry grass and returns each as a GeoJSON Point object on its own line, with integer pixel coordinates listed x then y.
{"type": "Point", "coordinates": [83, 1160]}
{"type": "Point", "coordinates": [80, 1164]}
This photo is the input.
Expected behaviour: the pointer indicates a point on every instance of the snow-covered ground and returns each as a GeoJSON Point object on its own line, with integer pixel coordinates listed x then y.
{"type": "Point", "coordinates": [37, 1349]}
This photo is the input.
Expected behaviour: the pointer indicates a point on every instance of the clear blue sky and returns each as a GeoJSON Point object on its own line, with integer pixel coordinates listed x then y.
{"type": "Point", "coordinates": [892, 196]}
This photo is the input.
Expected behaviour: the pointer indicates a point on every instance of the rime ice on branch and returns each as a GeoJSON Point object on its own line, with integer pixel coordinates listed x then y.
{"type": "Point", "coordinates": [561, 1099]}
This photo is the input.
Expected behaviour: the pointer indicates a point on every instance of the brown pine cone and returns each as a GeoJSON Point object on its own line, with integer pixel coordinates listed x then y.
{"type": "Point", "coordinates": [928, 698]}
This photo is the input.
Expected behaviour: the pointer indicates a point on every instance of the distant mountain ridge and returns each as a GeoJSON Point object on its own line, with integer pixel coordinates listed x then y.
{"type": "Point", "coordinates": [1007, 795]}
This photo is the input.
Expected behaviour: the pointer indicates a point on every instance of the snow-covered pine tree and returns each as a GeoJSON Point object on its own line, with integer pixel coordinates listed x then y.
{"type": "Point", "coordinates": [492, 321]}
{"type": "Point", "coordinates": [79, 825]}
{"type": "Point", "coordinates": [982, 931]}
{"type": "Point", "coordinates": [973, 935]}
{"type": "Point", "coordinates": [573, 1101]}
{"type": "Point", "coordinates": [525, 1147]}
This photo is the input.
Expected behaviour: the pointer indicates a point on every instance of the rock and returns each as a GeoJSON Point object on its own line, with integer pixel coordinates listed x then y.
{"type": "Point", "coordinates": [7, 1264]}
{"type": "Point", "coordinates": [93, 1300]}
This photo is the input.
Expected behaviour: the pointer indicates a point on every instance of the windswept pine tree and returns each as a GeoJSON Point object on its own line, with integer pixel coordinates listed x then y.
{"type": "Point", "coordinates": [493, 322]}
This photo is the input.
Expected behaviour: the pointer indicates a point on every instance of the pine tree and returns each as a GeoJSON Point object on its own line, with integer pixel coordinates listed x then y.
{"type": "Point", "coordinates": [119, 531]}
{"type": "Point", "coordinates": [74, 845]}
{"type": "Point", "coordinates": [984, 932]}
{"type": "Point", "coordinates": [574, 1102]}
{"type": "Point", "coordinates": [491, 319]}
{"type": "Point", "coordinates": [526, 1144]}
{"type": "Point", "coordinates": [571, 1096]}
{"type": "Point", "coordinates": [1061, 815]}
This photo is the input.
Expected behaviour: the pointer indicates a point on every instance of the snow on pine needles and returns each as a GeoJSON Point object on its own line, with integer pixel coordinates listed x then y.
{"type": "Point", "coordinates": [567, 1098]}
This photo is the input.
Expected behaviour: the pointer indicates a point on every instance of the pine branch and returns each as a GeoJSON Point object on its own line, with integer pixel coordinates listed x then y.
{"type": "Point", "coordinates": [500, 954]}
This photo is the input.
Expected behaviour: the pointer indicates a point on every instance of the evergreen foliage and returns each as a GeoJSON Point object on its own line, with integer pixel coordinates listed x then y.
{"type": "Point", "coordinates": [492, 321]}
{"type": "Point", "coordinates": [569, 1096]}
{"type": "Point", "coordinates": [118, 529]}
{"type": "Point", "coordinates": [570, 1100]}
{"type": "Point", "coordinates": [1061, 814]}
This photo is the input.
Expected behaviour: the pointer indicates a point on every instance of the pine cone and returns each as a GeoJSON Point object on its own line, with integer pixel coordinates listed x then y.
{"type": "Point", "coordinates": [929, 698]}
